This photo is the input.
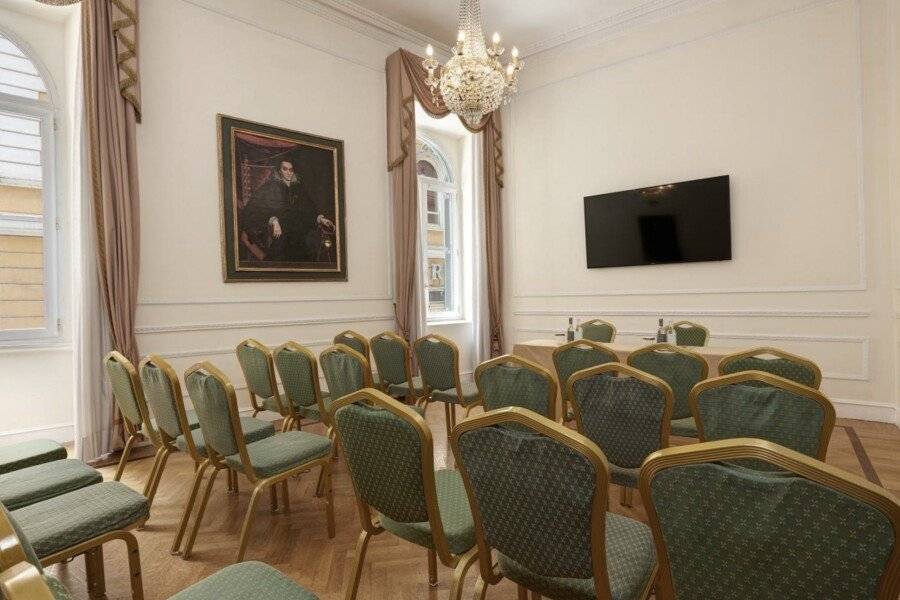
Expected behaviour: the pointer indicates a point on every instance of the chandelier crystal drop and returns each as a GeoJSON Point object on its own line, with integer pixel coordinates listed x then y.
{"type": "Point", "coordinates": [473, 83]}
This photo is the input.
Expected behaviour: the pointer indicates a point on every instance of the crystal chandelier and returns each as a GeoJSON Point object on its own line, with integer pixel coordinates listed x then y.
{"type": "Point", "coordinates": [473, 83]}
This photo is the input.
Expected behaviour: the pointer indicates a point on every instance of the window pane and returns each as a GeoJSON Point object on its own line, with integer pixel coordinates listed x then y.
{"type": "Point", "coordinates": [18, 75]}
{"type": "Point", "coordinates": [423, 167]}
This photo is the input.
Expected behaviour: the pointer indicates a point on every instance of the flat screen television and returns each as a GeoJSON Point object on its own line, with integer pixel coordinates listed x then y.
{"type": "Point", "coordinates": [681, 222]}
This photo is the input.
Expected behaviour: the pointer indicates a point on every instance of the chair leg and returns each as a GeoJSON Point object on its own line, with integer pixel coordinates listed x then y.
{"type": "Point", "coordinates": [134, 567]}
{"type": "Point", "coordinates": [432, 568]}
{"type": "Point", "coordinates": [126, 451]}
{"type": "Point", "coordinates": [320, 483]}
{"type": "Point", "coordinates": [447, 418]}
{"type": "Point", "coordinates": [452, 417]}
{"type": "Point", "coordinates": [329, 498]}
{"type": "Point", "coordinates": [535, 595]}
{"type": "Point", "coordinates": [285, 496]}
{"type": "Point", "coordinates": [248, 519]}
{"type": "Point", "coordinates": [361, 546]}
{"type": "Point", "coordinates": [273, 497]}
{"type": "Point", "coordinates": [459, 573]}
{"type": "Point", "coordinates": [522, 593]}
{"type": "Point", "coordinates": [199, 518]}
{"type": "Point", "coordinates": [627, 496]}
{"type": "Point", "coordinates": [159, 472]}
{"type": "Point", "coordinates": [480, 589]}
{"type": "Point", "coordinates": [189, 507]}
{"type": "Point", "coordinates": [94, 570]}
{"type": "Point", "coordinates": [152, 474]}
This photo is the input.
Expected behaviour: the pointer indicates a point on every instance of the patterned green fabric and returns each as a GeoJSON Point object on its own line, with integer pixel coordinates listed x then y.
{"type": "Point", "coordinates": [682, 372]}
{"type": "Point", "coordinates": [297, 376]}
{"type": "Point", "coordinates": [622, 415]}
{"type": "Point", "coordinates": [255, 366]}
{"type": "Point", "coordinates": [192, 419]}
{"type": "Point", "coordinates": [685, 427]}
{"type": "Point", "coordinates": [253, 429]}
{"type": "Point", "coordinates": [732, 533]}
{"type": "Point", "coordinates": [456, 516]}
{"type": "Point", "coordinates": [352, 342]}
{"type": "Point", "coordinates": [30, 555]}
{"type": "Point", "coordinates": [574, 359]}
{"type": "Point", "coordinates": [769, 413]}
{"type": "Point", "coordinates": [123, 392]}
{"type": "Point", "coordinates": [312, 412]}
{"type": "Point", "coordinates": [67, 520]}
{"type": "Point", "coordinates": [390, 359]}
{"type": "Point", "coordinates": [402, 389]}
{"type": "Point", "coordinates": [57, 589]}
{"type": "Point", "coordinates": [384, 455]}
{"type": "Point", "coordinates": [210, 400]}
{"type": "Point", "coordinates": [686, 335]}
{"type": "Point", "coordinates": [245, 580]}
{"type": "Point", "coordinates": [437, 361]}
{"type": "Point", "coordinates": [40, 482]}
{"type": "Point", "coordinates": [161, 400]}
{"type": "Point", "coordinates": [469, 394]}
{"type": "Point", "coordinates": [630, 559]}
{"type": "Point", "coordinates": [597, 332]}
{"type": "Point", "coordinates": [28, 454]}
{"type": "Point", "coordinates": [782, 367]}
{"type": "Point", "coordinates": [512, 385]}
{"type": "Point", "coordinates": [282, 452]}
{"type": "Point", "coordinates": [344, 374]}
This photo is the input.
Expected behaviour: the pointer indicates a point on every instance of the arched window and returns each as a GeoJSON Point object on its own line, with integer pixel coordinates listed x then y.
{"type": "Point", "coordinates": [28, 302]}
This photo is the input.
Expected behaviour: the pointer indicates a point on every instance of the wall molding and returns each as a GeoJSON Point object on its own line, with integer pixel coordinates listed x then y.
{"type": "Point", "coordinates": [263, 300]}
{"type": "Point", "coordinates": [679, 312]}
{"type": "Point", "coordinates": [58, 432]}
{"type": "Point", "coordinates": [229, 325]}
{"type": "Point", "coordinates": [230, 350]}
{"type": "Point", "coordinates": [864, 410]}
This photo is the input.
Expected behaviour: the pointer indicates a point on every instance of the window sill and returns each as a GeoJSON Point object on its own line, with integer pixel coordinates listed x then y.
{"type": "Point", "coordinates": [440, 322]}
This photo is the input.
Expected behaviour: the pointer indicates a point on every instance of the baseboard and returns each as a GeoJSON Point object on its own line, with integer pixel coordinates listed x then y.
{"type": "Point", "coordinates": [59, 432]}
{"type": "Point", "coordinates": [865, 411]}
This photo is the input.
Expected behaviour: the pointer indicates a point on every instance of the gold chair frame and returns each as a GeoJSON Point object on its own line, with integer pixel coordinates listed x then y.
{"type": "Point", "coordinates": [627, 493]}
{"type": "Point", "coordinates": [663, 347]}
{"type": "Point", "coordinates": [563, 385]}
{"type": "Point", "coordinates": [774, 381]}
{"type": "Point", "coordinates": [602, 322]}
{"type": "Point", "coordinates": [552, 387]}
{"type": "Point", "coordinates": [285, 408]}
{"type": "Point", "coordinates": [577, 442]}
{"type": "Point", "coordinates": [22, 581]}
{"type": "Point", "coordinates": [753, 352]}
{"type": "Point", "coordinates": [787, 460]}
{"type": "Point", "coordinates": [216, 461]}
{"type": "Point", "coordinates": [358, 337]}
{"type": "Point", "coordinates": [449, 407]}
{"type": "Point", "coordinates": [705, 329]}
{"type": "Point", "coordinates": [460, 563]}
{"type": "Point", "coordinates": [411, 397]}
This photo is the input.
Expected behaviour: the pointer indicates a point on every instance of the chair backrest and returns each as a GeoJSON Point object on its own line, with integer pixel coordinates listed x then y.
{"type": "Point", "coordinates": [761, 405]}
{"type": "Point", "coordinates": [598, 330]}
{"type": "Point", "coordinates": [164, 397]}
{"type": "Point", "coordinates": [680, 368]}
{"type": "Point", "coordinates": [346, 370]}
{"type": "Point", "coordinates": [538, 493]}
{"type": "Point", "coordinates": [355, 340]}
{"type": "Point", "coordinates": [127, 391]}
{"type": "Point", "coordinates": [389, 451]}
{"type": "Point", "coordinates": [258, 367]}
{"type": "Point", "coordinates": [575, 356]}
{"type": "Point", "coordinates": [808, 530]}
{"type": "Point", "coordinates": [625, 411]}
{"type": "Point", "coordinates": [774, 361]}
{"type": "Point", "coordinates": [215, 401]}
{"type": "Point", "coordinates": [512, 381]}
{"type": "Point", "coordinates": [299, 372]}
{"type": "Point", "coordinates": [392, 359]}
{"type": "Point", "coordinates": [438, 359]}
{"type": "Point", "coordinates": [688, 333]}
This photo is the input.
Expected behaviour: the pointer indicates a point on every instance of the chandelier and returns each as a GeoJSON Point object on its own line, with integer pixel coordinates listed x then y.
{"type": "Point", "coordinates": [473, 83]}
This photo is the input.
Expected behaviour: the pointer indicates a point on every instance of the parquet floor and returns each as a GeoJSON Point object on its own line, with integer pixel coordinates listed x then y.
{"type": "Point", "coordinates": [297, 543]}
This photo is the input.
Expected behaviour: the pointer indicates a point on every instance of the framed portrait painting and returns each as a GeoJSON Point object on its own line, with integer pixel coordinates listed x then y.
{"type": "Point", "coordinates": [282, 204]}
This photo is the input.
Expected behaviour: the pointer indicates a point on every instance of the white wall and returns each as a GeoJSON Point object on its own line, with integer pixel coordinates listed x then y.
{"type": "Point", "coordinates": [788, 97]}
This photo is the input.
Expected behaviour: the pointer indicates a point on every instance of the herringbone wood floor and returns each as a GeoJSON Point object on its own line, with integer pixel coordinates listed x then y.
{"type": "Point", "coordinates": [297, 543]}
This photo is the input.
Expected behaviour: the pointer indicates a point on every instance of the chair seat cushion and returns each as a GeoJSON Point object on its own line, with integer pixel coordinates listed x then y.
{"type": "Point", "coordinates": [254, 430]}
{"type": "Point", "coordinates": [685, 427]}
{"type": "Point", "coordinates": [73, 518]}
{"type": "Point", "coordinates": [28, 454]}
{"type": "Point", "coordinates": [312, 411]}
{"type": "Point", "coordinates": [282, 452]}
{"type": "Point", "coordinates": [41, 482]}
{"type": "Point", "coordinates": [469, 394]}
{"type": "Point", "coordinates": [245, 580]}
{"type": "Point", "coordinates": [57, 589]}
{"type": "Point", "coordinates": [193, 421]}
{"type": "Point", "coordinates": [624, 476]}
{"type": "Point", "coordinates": [456, 516]}
{"type": "Point", "coordinates": [402, 389]}
{"type": "Point", "coordinates": [630, 563]}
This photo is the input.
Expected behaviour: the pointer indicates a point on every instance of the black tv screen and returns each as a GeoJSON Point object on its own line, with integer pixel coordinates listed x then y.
{"type": "Point", "coordinates": [681, 222]}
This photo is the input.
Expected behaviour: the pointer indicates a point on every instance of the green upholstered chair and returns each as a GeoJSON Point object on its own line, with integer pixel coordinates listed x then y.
{"type": "Point", "coordinates": [265, 463]}
{"type": "Point", "coordinates": [627, 413]}
{"type": "Point", "coordinates": [539, 498]}
{"type": "Point", "coordinates": [798, 529]}
{"type": "Point", "coordinates": [688, 333]}
{"type": "Point", "coordinates": [29, 453]}
{"type": "Point", "coordinates": [598, 330]}
{"type": "Point", "coordinates": [129, 398]}
{"type": "Point", "coordinates": [390, 454]}
{"type": "Point", "coordinates": [346, 370]}
{"type": "Point", "coordinates": [761, 405]}
{"type": "Point", "coordinates": [166, 402]}
{"type": "Point", "coordinates": [575, 356]}
{"type": "Point", "coordinates": [438, 359]}
{"type": "Point", "coordinates": [513, 381]}
{"type": "Point", "coordinates": [360, 343]}
{"type": "Point", "coordinates": [774, 361]}
{"type": "Point", "coordinates": [78, 523]}
{"type": "Point", "coordinates": [299, 372]}
{"type": "Point", "coordinates": [394, 363]}
{"type": "Point", "coordinates": [47, 480]}
{"type": "Point", "coordinates": [682, 370]}
{"type": "Point", "coordinates": [258, 367]}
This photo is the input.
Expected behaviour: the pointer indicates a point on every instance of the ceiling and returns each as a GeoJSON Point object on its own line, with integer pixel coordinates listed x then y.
{"type": "Point", "coordinates": [528, 24]}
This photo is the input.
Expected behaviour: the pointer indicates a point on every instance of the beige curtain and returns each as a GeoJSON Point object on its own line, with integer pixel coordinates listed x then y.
{"type": "Point", "coordinates": [406, 84]}
{"type": "Point", "coordinates": [112, 110]}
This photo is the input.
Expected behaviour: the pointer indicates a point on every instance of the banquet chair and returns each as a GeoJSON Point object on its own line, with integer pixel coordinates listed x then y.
{"type": "Point", "coordinates": [29, 453]}
{"type": "Point", "coordinates": [346, 370]}
{"type": "Point", "coordinates": [438, 359]}
{"type": "Point", "coordinates": [129, 398]}
{"type": "Point", "coordinates": [774, 361]}
{"type": "Point", "coordinates": [761, 405]}
{"type": "Point", "coordinates": [682, 369]}
{"type": "Point", "coordinates": [797, 529]}
{"type": "Point", "coordinates": [539, 499]}
{"type": "Point", "coordinates": [390, 454]}
{"type": "Point", "coordinates": [299, 373]}
{"type": "Point", "coordinates": [258, 368]}
{"type": "Point", "coordinates": [360, 343]}
{"type": "Point", "coordinates": [598, 330]}
{"type": "Point", "coordinates": [688, 333]}
{"type": "Point", "coordinates": [394, 363]}
{"type": "Point", "coordinates": [627, 413]}
{"type": "Point", "coordinates": [512, 381]}
{"type": "Point", "coordinates": [266, 462]}
{"type": "Point", "coordinates": [166, 403]}
{"type": "Point", "coordinates": [575, 356]}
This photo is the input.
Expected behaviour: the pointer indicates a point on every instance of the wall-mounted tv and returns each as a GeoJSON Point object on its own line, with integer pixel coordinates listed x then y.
{"type": "Point", "coordinates": [681, 222]}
